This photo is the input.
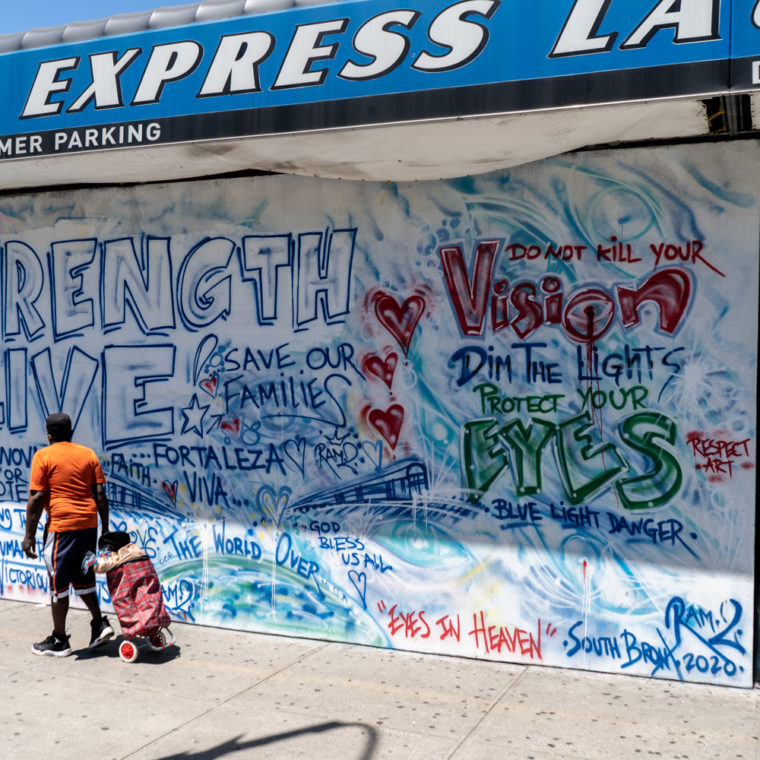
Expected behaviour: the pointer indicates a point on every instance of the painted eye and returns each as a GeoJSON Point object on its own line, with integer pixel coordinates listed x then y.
{"type": "Point", "coordinates": [588, 315]}
{"type": "Point", "coordinates": [423, 545]}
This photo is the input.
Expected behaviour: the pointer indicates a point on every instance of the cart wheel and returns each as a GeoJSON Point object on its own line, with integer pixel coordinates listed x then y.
{"type": "Point", "coordinates": [157, 641]}
{"type": "Point", "coordinates": [128, 651]}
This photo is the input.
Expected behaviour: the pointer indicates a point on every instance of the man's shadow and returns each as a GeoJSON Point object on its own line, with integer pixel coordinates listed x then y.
{"type": "Point", "coordinates": [235, 745]}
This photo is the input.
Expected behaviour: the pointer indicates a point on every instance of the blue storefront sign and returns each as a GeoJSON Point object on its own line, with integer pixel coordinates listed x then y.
{"type": "Point", "coordinates": [370, 62]}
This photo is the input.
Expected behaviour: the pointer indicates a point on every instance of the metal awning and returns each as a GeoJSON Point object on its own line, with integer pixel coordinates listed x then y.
{"type": "Point", "coordinates": [375, 91]}
{"type": "Point", "coordinates": [159, 18]}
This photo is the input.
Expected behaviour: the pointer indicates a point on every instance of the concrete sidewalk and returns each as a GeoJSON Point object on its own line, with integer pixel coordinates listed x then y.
{"type": "Point", "coordinates": [224, 693]}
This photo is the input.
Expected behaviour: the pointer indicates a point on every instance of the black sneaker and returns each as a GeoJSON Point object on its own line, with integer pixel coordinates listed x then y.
{"type": "Point", "coordinates": [53, 646]}
{"type": "Point", "coordinates": [101, 632]}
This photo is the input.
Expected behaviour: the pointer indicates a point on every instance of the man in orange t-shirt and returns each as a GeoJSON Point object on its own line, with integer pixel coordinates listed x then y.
{"type": "Point", "coordinates": [68, 483]}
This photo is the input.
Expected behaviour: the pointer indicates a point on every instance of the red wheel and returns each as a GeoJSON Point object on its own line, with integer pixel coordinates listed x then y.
{"type": "Point", "coordinates": [157, 641]}
{"type": "Point", "coordinates": [128, 651]}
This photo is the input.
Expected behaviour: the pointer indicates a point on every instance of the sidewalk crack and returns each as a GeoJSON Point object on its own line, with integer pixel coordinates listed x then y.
{"type": "Point", "coordinates": [493, 704]}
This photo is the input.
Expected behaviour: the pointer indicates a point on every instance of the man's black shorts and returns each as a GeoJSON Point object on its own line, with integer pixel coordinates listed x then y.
{"type": "Point", "coordinates": [63, 555]}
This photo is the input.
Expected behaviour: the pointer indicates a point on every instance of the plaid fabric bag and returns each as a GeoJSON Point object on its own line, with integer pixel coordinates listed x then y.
{"type": "Point", "coordinates": [136, 596]}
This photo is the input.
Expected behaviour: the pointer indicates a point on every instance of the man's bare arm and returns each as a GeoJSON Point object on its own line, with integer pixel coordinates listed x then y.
{"type": "Point", "coordinates": [101, 500]}
{"type": "Point", "coordinates": [34, 507]}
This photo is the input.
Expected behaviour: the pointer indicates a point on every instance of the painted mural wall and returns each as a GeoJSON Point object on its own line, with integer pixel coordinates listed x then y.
{"type": "Point", "coordinates": [508, 416]}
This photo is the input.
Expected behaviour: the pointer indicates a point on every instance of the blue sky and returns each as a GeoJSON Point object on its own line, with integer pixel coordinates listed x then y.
{"type": "Point", "coordinates": [20, 15]}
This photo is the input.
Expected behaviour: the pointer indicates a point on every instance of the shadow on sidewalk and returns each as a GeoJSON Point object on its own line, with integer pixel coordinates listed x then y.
{"type": "Point", "coordinates": [146, 655]}
{"type": "Point", "coordinates": [235, 745]}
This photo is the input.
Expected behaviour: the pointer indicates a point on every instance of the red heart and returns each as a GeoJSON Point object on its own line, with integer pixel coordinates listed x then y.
{"type": "Point", "coordinates": [374, 365]}
{"type": "Point", "coordinates": [231, 426]}
{"type": "Point", "coordinates": [388, 423]}
{"type": "Point", "coordinates": [171, 489]}
{"type": "Point", "coordinates": [209, 385]}
{"type": "Point", "coordinates": [400, 321]}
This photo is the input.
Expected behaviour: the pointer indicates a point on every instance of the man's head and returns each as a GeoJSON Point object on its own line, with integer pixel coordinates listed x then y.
{"type": "Point", "coordinates": [58, 427]}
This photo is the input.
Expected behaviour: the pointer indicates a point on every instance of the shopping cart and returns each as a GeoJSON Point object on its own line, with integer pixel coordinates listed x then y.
{"type": "Point", "coordinates": [135, 594]}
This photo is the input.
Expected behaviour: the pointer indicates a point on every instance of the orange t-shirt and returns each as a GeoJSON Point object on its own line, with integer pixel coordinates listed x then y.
{"type": "Point", "coordinates": [67, 471]}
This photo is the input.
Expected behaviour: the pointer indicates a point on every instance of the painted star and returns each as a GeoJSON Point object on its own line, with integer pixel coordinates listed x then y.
{"type": "Point", "coordinates": [194, 415]}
